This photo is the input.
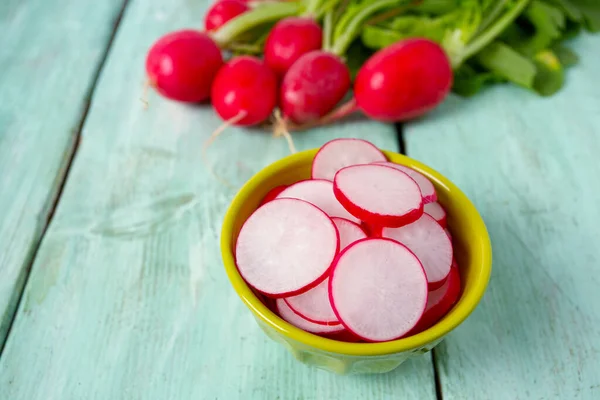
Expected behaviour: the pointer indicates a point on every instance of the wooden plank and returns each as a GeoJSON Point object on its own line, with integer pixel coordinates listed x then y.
{"type": "Point", "coordinates": [128, 298]}
{"type": "Point", "coordinates": [49, 53]}
{"type": "Point", "coordinates": [531, 166]}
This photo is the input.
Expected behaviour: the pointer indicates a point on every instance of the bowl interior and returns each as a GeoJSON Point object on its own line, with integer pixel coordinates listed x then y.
{"type": "Point", "coordinates": [470, 237]}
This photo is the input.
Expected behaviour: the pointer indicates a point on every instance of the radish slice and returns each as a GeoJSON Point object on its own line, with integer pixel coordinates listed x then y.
{"type": "Point", "coordinates": [272, 195]}
{"type": "Point", "coordinates": [318, 192]}
{"type": "Point", "coordinates": [286, 247]}
{"type": "Point", "coordinates": [440, 301]}
{"type": "Point", "coordinates": [427, 188]}
{"type": "Point", "coordinates": [378, 289]}
{"type": "Point", "coordinates": [349, 232]}
{"type": "Point", "coordinates": [428, 240]}
{"type": "Point", "coordinates": [437, 212]}
{"type": "Point", "coordinates": [340, 153]}
{"type": "Point", "coordinates": [378, 195]}
{"type": "Point", "coordinates": [314, 304]}
{"type": "Point", "coordinates": [290, 316]}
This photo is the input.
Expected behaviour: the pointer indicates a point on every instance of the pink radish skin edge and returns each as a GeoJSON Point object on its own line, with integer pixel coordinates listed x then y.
{"type": "Point", "coordinates": [302, 289]}
{"type": "Point", "coordinates": [316, 164]}
{"type": "Point", "coordinates": [427, 188]}
{"type": "Point", "coordinates": [273, 193]}
{"type": "Point", "coordinates": [437, 311]}
{"type": "Point", "coordinates": [314, 305]}
{"type": "Point", "coordinates": [437, 212]}
{"type": "Point", "coordinates": [431, 284]}
{"type": "Point", "coordinates": [332, 273]}
{"type": "Point", "coordinates": [340, 213]}
{"type": "Point", "coordinates": [288, 315]}
{"type": "Point", "coordinates": [390, 221]}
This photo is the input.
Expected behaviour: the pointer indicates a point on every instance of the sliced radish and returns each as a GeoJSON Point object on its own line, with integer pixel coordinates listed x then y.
{"type": "Point", "coordinates": [427, 188]}
{"type": "Point", "coordinates": [349, 231]}
{"type": "Point", "coordinates": [437, 212]}
{"type": "Point", "coordinates": [290, 316]}
{"type": "Point", "coordinates": [272, 195]}
{"type": "Point", "coordinates": [428, 240]}
{"type": "Point", "coordinates": [340, 153]}
{"type": "Point", "coordinates": [286, 247]}
{"type": "Point", "coordinates": [314, 305]}
{"type": "Point", "coordinates": [378, 195]}
{"type": "Point", "coordinates": [378, 289]}
{"type": "Point", "coordinates": [448, 233]}
{"type": "Point", "coordinates": [318, 192]}
{"type": "Point", "coordinates": [440, 301]}
{"type": "Point", "coordinates": [372, 230]}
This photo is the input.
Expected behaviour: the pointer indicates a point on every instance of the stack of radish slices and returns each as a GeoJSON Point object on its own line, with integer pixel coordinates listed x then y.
{"type": "Point", "coordinates": [357, 253]}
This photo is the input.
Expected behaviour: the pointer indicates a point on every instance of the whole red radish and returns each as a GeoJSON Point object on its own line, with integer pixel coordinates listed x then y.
{"type": "Point", "coordinates": [244, 91]}
{"type": "Point", "coordinates": [223, 11]}
{"type": "Point", "coordinates": [404, 80]}
{"type": "Point", "coordinates": [289, 39]}
{"type": "Point", "coordinates": [182, 65]}
{"type": "Point", "coordinates": [313, 86]}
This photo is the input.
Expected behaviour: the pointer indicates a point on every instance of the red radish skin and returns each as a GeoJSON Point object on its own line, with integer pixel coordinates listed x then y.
{"type": "Point", "coordinates": [313, 86]}
{"type": "Point", "coordinates": [290, 316]}
{"type": "Point", "coordinates": [319, 193]}
{"type": "Point", "coordinates": [428, 240]}
{"type": "Point", "coordinates": [314, 304]}
{"type": "Point", "coordinates": [289, 39]}
{"type": "Point", "coordinates": [378, 195]}
{"type": "Point", "coordinates": [223, 11]}
{"type": "Point", "coordinates": [182, 65]}
{"type": "Point", "coordinates": [440, 301]}
{"type": "Point", "coordinates": [427, 188]}
{"type": "Point", "coordinates": [384, 301]}
{"type": "Point", "coordinates": [437, 212]}
{"type": "Point", "coordinates": [244, 91]}
{"type": "Point", "coordinates": [339, 153]}
{"type": "Point", "coordinates": [286, 247]}
{"type": "Point", "coordinates": [272, 195]}
{"type": "Point", "coordinates": [372, 230]}
{"type": "Point", "coordinates": [403, 81]}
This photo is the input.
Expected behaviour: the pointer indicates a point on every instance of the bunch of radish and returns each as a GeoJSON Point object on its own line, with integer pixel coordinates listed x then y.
{"type": "Point", "coordinates": [297, 73]}
{"type": "Point", "coordinates": [359, 252]}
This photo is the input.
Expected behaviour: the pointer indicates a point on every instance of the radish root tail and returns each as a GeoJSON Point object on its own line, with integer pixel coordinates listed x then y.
{"type": "Point", "coordinates": [144, 98]}
{"type": "Point", "coordinates": [280, 129]}
{"type": "Point", "coordinates": [213, 136]}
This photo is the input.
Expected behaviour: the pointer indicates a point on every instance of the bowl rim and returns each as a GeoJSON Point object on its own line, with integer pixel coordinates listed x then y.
{"type": "Point", "coordinates": [455, 317]}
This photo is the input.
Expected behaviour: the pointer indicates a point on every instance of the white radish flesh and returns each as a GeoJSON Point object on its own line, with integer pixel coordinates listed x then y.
{"type": "Point", "coordinates": [437, 212]}
{"type": "Point", "coordinates": [378, 195]}
{"type": "Point", "coordinates": [349, 232]}
{"type": "Point", "coordinates": [290, 316]}
{"type": "Point", "coordinates": [314, 304]}
{"type": "Point", "coordinates": [286, 247]}
{"type": "Point", "coordinates": [317, 192]}
{"type": "Point", "coordinates": [427, 188]}
{"type": "Point", "coordinates": [378, 289]}
{"type": "Point", "coordinates": [430, 243]}
{"type": "Point", "coordinates": [340, 153]}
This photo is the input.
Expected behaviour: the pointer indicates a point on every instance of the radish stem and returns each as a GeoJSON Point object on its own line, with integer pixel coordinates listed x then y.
{"type": "Point", "coordinates": [354, 26]}
{"type": "Point", "coordinates": [491, 33]}
{"type": "Point", "coordinates": [327, 30]}
{"type": "Point", "coordinates": [268, 13]}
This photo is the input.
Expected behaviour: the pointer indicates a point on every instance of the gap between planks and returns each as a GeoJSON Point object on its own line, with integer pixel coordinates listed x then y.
{"type": "Point", "coordinates": [63, 173]}
{"type": "Point", "coordinates": [438, 385]}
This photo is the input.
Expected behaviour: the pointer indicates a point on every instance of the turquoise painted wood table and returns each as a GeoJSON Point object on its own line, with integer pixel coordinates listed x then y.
{"type": "Point", "coordinates": [111, 283]}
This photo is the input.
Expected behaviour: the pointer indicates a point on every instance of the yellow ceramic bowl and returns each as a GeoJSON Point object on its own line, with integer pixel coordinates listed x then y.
{"type": "Point", "coordinates": [472, 250]}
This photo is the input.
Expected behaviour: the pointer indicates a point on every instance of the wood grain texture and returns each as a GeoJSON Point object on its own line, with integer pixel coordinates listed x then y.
{"type": "Point", "coordinates": [127, 298]}
{"type": "Point", "coordinates": [49, 55]}
{"type": "Point", "coordinates": [531, 167]}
